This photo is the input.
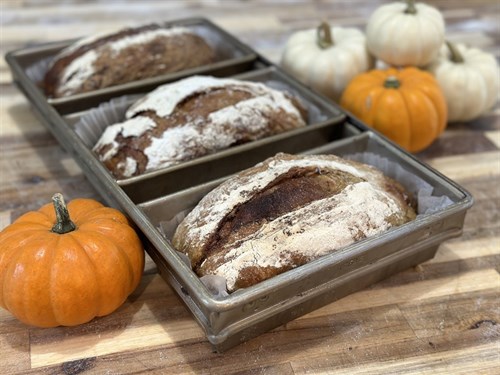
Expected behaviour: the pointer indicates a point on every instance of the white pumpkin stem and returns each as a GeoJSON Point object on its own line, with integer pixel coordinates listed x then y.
{"type": "Point", "coordinates": [456, 56]}
{"type": "Point", "coordinates": [392, 82]}
{"type": "Point", "coordinates": [411, 8]}
{"type": "Point", "coordinates": [325, 38]}
{"type": "Point", "coordinates": [64, 223]}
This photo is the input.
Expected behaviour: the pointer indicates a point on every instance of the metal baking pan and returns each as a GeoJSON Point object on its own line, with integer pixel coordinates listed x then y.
{"type": "Point", "coordinates": [230, 320]}
{"type": "Point", "coordinates": [322, 128]}
{"type": "Point", "coordinates": [232, 57]}
{"type": "Point", "coordinates": [246, 313]}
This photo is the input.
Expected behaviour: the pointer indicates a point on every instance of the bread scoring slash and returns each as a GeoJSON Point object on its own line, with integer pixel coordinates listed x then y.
{"type": "Point", "coordinates": [124, 56]}
{"type": "Point", "coordinates": [194, 117]}
{"type": "Point", "coordinates": [285, 212]}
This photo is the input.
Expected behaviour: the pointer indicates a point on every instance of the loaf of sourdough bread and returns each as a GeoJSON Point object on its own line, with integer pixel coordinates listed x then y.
{"type": "Point", "coordinates": [124, 56]}
{"type": "Point", "coordinates": [193, 117]}
{"type": "Point", "coordinates": [285, 212]}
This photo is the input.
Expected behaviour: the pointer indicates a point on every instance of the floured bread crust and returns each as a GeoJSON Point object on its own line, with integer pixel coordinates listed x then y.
{"type": "Point", "coordinates": [128, 55]}
{"type": "Point", "coordinates": [193, 117]}
{"type": "Point", "coordinates": [285, 212]}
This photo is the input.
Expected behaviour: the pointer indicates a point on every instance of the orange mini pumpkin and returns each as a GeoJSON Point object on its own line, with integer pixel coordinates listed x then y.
{"type": "Point", "coordinates": [406, 105]}
{"type": "Point", "coordinates": [60, 271]}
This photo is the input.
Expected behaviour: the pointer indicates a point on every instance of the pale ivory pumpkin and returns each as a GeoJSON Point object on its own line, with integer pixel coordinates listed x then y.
{"type": "Point", "coordinates": [469, 78]}
{"type": "Point", "coordinates": [327, 58]}
{"type": "Point", "coordinates": [405, 33]}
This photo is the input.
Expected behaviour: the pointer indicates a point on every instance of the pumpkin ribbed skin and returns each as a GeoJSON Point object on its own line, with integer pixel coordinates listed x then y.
{"type": "Point", "coordinates": [49, 279]}
{"type": "Point", "coordinates": [413, 115]}
{"type": "Point", "coordinates": [327, 69]}
{"type": "Point", "coordinates": [405, 33]}
{"type": "Point", "coordinates": [470, 80]}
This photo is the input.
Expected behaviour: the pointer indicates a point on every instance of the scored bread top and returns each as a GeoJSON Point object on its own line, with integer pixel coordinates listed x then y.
{"type": "Point", "coordinates": [107, 59]}
{"type": "Point", "coordinates": [193, 117]}
{"type": "Point", "coordinates": [285, 212]}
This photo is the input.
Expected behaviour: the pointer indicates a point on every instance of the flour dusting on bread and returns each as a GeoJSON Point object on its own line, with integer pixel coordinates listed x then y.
{"type": "Point", "coordinates": [285, 212]}
{"type": "Point", "coordinates": [311, 231]}
{"type": "Point", "coordinates": [164, 99]}
{"type": "Point", "coordinates": [241, 188]}
{"type": "Point", "coordinates": [127, 55]}
{"type": "Point", "coordinates": [168, 137]}
{"type": "Point", "coordinates": [84, 67]}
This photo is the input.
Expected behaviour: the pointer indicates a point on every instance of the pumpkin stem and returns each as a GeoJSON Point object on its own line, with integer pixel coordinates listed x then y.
{"type": "Point", "coordinates": [64, 223]}
{"type": "Point", "coordinates": [411, 8]}
{"type": "Point", "coordinates": [392, 82]}
{"type": "Point", "coordinates": [324, 33]}
{"type": "Point", "coordinates": [456, 56]}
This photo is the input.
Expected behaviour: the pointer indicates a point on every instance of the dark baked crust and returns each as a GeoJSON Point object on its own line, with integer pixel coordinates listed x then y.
{"type": "Point", "coordinates": [272, 219]}
{"type": "Point", "coordinates": [197, 114]}
{"type": "Point", "coordinates": [160, 55]}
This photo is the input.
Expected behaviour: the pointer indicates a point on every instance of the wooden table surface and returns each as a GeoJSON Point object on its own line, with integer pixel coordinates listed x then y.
{"type": "Point", "coordinates": [441, 317]}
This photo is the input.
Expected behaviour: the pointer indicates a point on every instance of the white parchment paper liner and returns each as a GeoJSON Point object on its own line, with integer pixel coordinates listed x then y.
{"type": "Point", "coordinates": [36, 72]}
{"type": "Point", "coordinates": [92, 124]}
{"type": "Point", "coordinates": [427, 203]}
{"type": "Point", "coordinates": [420, 189]}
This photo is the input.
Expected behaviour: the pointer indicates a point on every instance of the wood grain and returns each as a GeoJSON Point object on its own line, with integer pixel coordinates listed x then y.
{"type": "Point", "coordinates": [440, 317]}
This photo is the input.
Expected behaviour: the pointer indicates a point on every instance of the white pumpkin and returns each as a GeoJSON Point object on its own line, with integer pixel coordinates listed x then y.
{"type": "Point", "coordinates": [405, 33]}
{"type": "Point", "coordinates": [469, 78]}
{"type": "Point", "coordinates": [327, 58]}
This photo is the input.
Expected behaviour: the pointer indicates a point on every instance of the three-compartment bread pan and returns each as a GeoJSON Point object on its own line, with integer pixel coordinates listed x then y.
{"type": "Point", "coordinates": [156, 198]}
{"type": "Point", "coordinates": [231, 319]}
{"type": "Point", "coordinates": [231, 57]}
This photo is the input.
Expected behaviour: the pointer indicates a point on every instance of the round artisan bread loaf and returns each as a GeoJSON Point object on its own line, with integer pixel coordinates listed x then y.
{"type": "Point", "coordinates": [285, 212]}
{"type": "Point", "coordinates": [124, 56]}
{"type": "Point", "coordinates": [193, 117]}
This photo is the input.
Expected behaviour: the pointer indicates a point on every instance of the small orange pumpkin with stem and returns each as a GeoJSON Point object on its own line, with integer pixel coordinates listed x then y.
{"type": "Point", "coordinates": [56, 270]}
{"type": "Point", "coordinates": [406, 105]}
